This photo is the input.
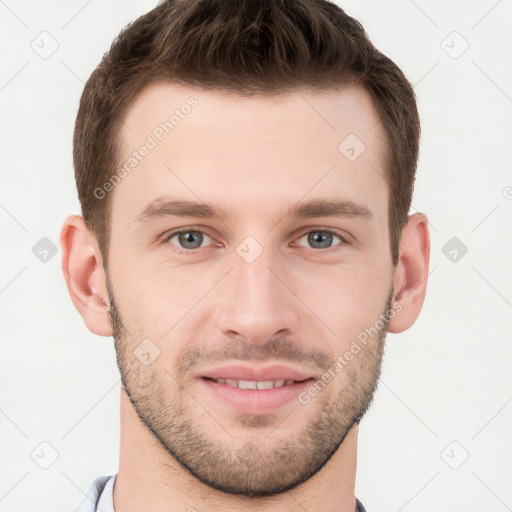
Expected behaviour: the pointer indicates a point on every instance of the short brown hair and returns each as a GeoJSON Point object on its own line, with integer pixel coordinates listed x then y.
{"type": "Point", "coordinates": [246, 47]}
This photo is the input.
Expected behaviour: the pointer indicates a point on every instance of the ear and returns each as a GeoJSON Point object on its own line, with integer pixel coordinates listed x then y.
{"type": "Point", "coordinates": [82, 265]}
{"type": "Point", "coordinates": [411, 273]}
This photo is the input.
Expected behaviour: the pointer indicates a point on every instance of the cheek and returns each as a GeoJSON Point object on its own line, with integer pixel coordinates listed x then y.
{"type": "Point", "coordinates": [153, 295]}
{"type": "Point", "coordinates": [347, 299]}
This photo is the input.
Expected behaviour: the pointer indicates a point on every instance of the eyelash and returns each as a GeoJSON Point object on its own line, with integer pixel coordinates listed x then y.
{"type": "Point", "coordinates": [180, 250]}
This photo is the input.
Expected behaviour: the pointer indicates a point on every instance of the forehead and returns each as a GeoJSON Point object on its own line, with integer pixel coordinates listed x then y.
{"type": "Point", "coordinates": [193, 143]}
{"type": "Point", "coordinates": [215, 115]}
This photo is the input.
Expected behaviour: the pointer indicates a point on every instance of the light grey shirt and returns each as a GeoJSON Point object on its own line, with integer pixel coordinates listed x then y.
{"type": "Point", "coordinates": [99, 496]}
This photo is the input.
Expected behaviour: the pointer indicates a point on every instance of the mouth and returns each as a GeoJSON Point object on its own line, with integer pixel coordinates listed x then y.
{"type": "Point", "coordinates": [256, 384]}
{"type": "Point", "coordinates": [254, 396]}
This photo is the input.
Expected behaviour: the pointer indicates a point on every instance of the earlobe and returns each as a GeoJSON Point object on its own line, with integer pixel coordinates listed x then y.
{"type": "Point", "coordinates": [82, 266]}
{"type": "Point", "coordinates": [411, 273]}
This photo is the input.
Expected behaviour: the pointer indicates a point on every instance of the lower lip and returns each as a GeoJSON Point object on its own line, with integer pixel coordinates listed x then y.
{"type": "Point", "coordinates": [255, 401]}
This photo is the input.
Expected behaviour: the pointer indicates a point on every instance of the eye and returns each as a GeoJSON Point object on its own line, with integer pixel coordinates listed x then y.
{"type": "Point", "coordinates": [321, 238]}
{"type": "Point", "coordinates": [188, 239]}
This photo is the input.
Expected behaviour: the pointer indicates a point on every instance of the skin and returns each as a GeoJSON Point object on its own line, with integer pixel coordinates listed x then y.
{"type": "Point", "coordinates": [299, 302]}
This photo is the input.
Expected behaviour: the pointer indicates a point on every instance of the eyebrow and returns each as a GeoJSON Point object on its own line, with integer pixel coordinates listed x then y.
{"type": "Point", "coordinates": [329, 208]}
{"type": "Point", "coordinates": [161, 208]}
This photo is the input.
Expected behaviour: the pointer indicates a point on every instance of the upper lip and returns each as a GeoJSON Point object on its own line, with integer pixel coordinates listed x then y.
{"type": "Point", "coordinates": [269, 372]}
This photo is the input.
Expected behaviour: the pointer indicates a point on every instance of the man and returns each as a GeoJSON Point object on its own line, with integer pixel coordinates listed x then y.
{"type": "Point", "coordinates": [245, 171]}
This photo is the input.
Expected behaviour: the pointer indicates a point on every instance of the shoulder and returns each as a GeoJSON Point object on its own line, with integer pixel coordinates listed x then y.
{"type": "Point", "coordinates": [360, 506]}
{"type": "Point", "coordinates": [91, 498]}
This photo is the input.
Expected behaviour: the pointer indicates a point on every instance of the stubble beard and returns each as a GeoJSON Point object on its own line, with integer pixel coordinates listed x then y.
{"type": "Point", "coordinates": [258, 464]}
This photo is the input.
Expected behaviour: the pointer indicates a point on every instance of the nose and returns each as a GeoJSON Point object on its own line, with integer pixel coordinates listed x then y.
{"type": "Point", "coordinates": [256, 301]}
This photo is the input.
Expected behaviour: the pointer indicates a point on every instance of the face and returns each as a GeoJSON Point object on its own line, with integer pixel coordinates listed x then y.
{"type": "Point", "coordinates": [247, 247]}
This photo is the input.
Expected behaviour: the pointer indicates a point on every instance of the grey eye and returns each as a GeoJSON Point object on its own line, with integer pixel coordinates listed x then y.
{"type": "Point", "coordinates": [189, 239]}
{"type": "Point", "coordinates": [319, 239]}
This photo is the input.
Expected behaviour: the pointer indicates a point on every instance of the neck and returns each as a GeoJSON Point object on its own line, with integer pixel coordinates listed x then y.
{"type": "Point", "coordinates": [149, 478]}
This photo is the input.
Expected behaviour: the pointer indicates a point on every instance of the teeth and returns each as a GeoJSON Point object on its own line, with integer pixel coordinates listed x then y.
{"type": "Point", "coordinates": [264, 384]}
{"type": "Point", "coordinates": [253, 384]}
{"type": "Point", "coordinates": [247, 384]}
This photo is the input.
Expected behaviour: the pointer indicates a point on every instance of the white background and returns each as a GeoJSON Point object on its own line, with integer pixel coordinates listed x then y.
{"type": "Point", "coordinates": [447, 379]}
